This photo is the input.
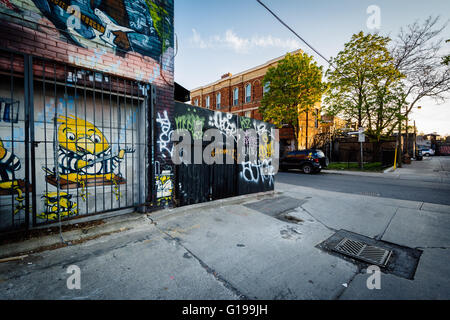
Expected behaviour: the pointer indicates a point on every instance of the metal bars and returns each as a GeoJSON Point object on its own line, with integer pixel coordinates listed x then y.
{"type": "Point", "coordinates": [69, 141]}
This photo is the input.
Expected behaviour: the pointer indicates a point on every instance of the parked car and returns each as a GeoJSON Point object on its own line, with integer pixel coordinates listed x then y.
{"type": "Point", "coordinates": [419, 155]}
{"type": "Point", "coordinates": [427, 152]}
{"type": "Point", "coordinates": [309, 161]}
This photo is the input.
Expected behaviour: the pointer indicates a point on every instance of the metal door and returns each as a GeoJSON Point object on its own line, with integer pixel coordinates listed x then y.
{"type": "Point", "coordinates": [82, 137]}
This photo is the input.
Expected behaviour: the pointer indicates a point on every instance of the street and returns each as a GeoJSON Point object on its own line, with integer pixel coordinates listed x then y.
{"type": "Point", "coordinates": [260, 247]}
{"type": "Point", "coordinates": [426, 187]}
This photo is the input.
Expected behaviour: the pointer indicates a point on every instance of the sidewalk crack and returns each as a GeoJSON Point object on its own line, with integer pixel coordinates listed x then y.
{"type": "Point", "coordinates": [387, 227]}
{"type": "Point", "coordinates": [348, 284]}
{"type": "Point", "coordinates": [207, 268]}
{"type": "Point", "coordinates": [329, 228]}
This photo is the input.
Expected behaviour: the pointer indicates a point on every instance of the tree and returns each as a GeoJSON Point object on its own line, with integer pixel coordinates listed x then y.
{"type": "Point", "coordinates": [295, 85]}
{"type": "Point", "coordinates": [447, 58]}
{"type": "Point", "coordinates": [364, 84]}
{"type": "Point", "coordinates": [417, 55]}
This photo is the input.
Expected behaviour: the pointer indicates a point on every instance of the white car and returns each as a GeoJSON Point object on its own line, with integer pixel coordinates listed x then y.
{"type": "Point", "coordinates": [426, 152]}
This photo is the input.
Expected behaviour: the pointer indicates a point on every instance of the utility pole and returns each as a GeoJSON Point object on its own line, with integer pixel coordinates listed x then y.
{"type": "Point", "coordinates": [399, 139]}
{"type": "Point", "coordinates": [415, 139]}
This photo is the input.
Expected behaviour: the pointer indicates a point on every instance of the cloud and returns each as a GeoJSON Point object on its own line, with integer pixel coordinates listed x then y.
{"type": "Point", "coordinates": [230, 40]}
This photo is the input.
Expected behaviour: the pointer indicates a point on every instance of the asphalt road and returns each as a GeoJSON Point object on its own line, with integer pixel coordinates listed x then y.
{"type": "Point", "coordinates": [414, 190]}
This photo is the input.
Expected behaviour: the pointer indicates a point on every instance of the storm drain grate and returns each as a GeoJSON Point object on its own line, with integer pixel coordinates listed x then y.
{"type": "Point", "coordinates": [362, 251]}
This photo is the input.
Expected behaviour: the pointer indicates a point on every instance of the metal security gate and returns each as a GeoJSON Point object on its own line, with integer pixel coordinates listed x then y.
{"type": "Point", "coordinates": [76, 141]}
{"type": "Point", "coordinates": [197, 183]}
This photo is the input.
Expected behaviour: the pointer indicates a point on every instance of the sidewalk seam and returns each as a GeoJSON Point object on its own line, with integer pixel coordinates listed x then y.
{"type": "Point", "coordinates": [338, 297]}
{"type": "Point", "coordinates": [389, 223]}
{"type": "Point", "coordinates": [207, 268]}
{"type": "Point", "coordinates": [329, 228]}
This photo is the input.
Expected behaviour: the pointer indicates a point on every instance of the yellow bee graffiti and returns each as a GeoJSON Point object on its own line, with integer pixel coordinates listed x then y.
{"type": "Point", "coordinates": [9, 164]}
{"type": "Point", "coordinates": [64, 207]}
{"type": "Point", "coordinates": [85, 156]}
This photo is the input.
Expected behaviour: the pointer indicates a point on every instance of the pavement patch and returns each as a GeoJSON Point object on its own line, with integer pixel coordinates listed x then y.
{"type": "Point", "coordinates": [278, 207]}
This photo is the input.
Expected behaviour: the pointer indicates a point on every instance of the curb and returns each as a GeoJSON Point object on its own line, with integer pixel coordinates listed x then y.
{"type": "Point", "coordinates": [162, 214]}
{"type": "Point", "coordinates": [388, 170]}
{"type": "Point", "coordinates": [112, 224]}
{"type": "Point", "coordinates": [353, 173]}
{"type": "Point", "coordinates": [54, 241]}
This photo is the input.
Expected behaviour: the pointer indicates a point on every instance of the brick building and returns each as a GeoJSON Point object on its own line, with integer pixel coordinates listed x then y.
{"type": "Point", "coordinates": [86, 95]}
{"type": "Point", "coordinates": [241, 94]}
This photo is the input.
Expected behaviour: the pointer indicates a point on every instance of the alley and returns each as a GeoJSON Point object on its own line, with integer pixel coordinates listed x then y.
{"type": "Point", "coordinates": [262, 247]}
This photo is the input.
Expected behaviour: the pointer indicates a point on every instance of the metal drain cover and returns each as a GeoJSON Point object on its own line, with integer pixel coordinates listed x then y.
{"type": "Point", "coordinates": [362, 251]}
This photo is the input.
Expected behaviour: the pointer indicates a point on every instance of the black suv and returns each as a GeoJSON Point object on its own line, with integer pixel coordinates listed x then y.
{"type": "Point", "coordinates": [309, 161]}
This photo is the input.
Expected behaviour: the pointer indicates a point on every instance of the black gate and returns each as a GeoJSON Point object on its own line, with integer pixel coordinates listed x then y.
{"type": "Point", "coordinates": [197, 183]}
{"type": "Point", "coordinates": [72, 141]}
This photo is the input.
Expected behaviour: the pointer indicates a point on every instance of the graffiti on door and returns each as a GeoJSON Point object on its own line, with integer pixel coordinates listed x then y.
{"type": "Point", "coordinates": [84, 159]}
{"type": "Point", "coordinates": [9, 183]}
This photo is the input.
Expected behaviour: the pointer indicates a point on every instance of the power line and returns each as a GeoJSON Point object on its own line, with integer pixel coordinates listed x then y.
{"type": "Point", "coordinates": [296, 34]}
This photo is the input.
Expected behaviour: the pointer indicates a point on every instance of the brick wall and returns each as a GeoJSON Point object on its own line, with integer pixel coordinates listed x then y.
{"type": "Point", "coordinates": [227, 103]}
{"type": "Point", "coordinates": [130, 39]}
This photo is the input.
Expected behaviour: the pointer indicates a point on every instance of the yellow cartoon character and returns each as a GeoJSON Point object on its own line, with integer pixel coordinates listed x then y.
{"type": "Point", "coordinates": [65, 207]}
{"type": "Point", "coordinates": [9, 164]}
{"type": "Point", "coordinates": [164, 187]}
{"type": "Point", "coordinates": [84, 154]}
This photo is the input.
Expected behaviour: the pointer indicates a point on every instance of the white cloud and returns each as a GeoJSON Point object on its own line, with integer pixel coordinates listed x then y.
{"type": "Point", "coordinates": [196, 39]}
{"type": "Point", "coordinates": [231, 40]}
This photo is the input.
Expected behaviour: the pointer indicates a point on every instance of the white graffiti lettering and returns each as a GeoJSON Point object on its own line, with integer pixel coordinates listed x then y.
{"type": "Point", "coordinates": [223, 122]}
{"type": "Point", "coordinates": [165, 136]}
{"type": "Point", "coordinates": [260, 172]}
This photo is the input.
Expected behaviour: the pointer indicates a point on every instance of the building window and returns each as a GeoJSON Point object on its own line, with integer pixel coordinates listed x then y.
{"type": "Point", "coordinates": [196, 102]}
{"type": "Point", "coordinates": [248, 114]}
{"type": "Point", "coordinates": [266, 87]}
{"type": "Point", "coordinates": [207, 102]}
{"type": "Point", "coordinates": [218, 98]}
{"type": "Point", "coordinates": [248, 93]}
{"type": "Point", "coordinates": [236, 96]}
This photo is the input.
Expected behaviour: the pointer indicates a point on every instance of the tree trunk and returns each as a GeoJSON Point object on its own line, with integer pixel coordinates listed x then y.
{"type": "Point", "coordinates": [306, 143]}
{"type": "Point", "coordinates": [376, 151]}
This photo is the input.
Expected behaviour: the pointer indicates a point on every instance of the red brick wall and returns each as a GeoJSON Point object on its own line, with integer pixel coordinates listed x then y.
{"type": "Point", "coordinates": [227, 98]}
{"type": "Point", "coordinates": [27, 28]}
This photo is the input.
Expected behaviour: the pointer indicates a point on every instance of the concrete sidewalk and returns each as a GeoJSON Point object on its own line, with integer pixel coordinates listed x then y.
{"type": "Point", "coordinates": [230, 250]}
{"type": "Point", "coordinates": [433, 169]}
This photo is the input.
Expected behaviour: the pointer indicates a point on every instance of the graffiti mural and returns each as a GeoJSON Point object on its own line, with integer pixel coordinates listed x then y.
{"type": "Point", "coordinates": [85, 157]}
{"type": "Point", "coordinates": [191, 122]}
{"type": "Point", "coordinates": [9, 184]}
{"type": "Point", "coordinates": [58, 205]}
{"type": "Point", "coordinates": [224, 122]}
{"type": "Point", "coordinates": [164, 186]}
{"type": "Point", "coordinates": [257, 174]}
{"type": "Point", "coordinates": [142, 26]}
{"type": "Point", "coordinates": [164, 140]}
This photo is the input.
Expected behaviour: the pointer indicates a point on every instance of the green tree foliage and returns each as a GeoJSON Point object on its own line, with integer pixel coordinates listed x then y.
{"type": "Point", "coordinates": [364, 84]}
{"type": "Point", "coordinates": [295, 85]}
{"type": "Point", "coordinates": [447, 58]}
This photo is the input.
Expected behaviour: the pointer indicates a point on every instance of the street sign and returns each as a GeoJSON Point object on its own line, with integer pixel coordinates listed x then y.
{"type": "Point", "coordinates": [361, 135]}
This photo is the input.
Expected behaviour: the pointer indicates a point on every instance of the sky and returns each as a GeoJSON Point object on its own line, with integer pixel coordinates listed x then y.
{"type": "Point", "coordinates": [219, 36]}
